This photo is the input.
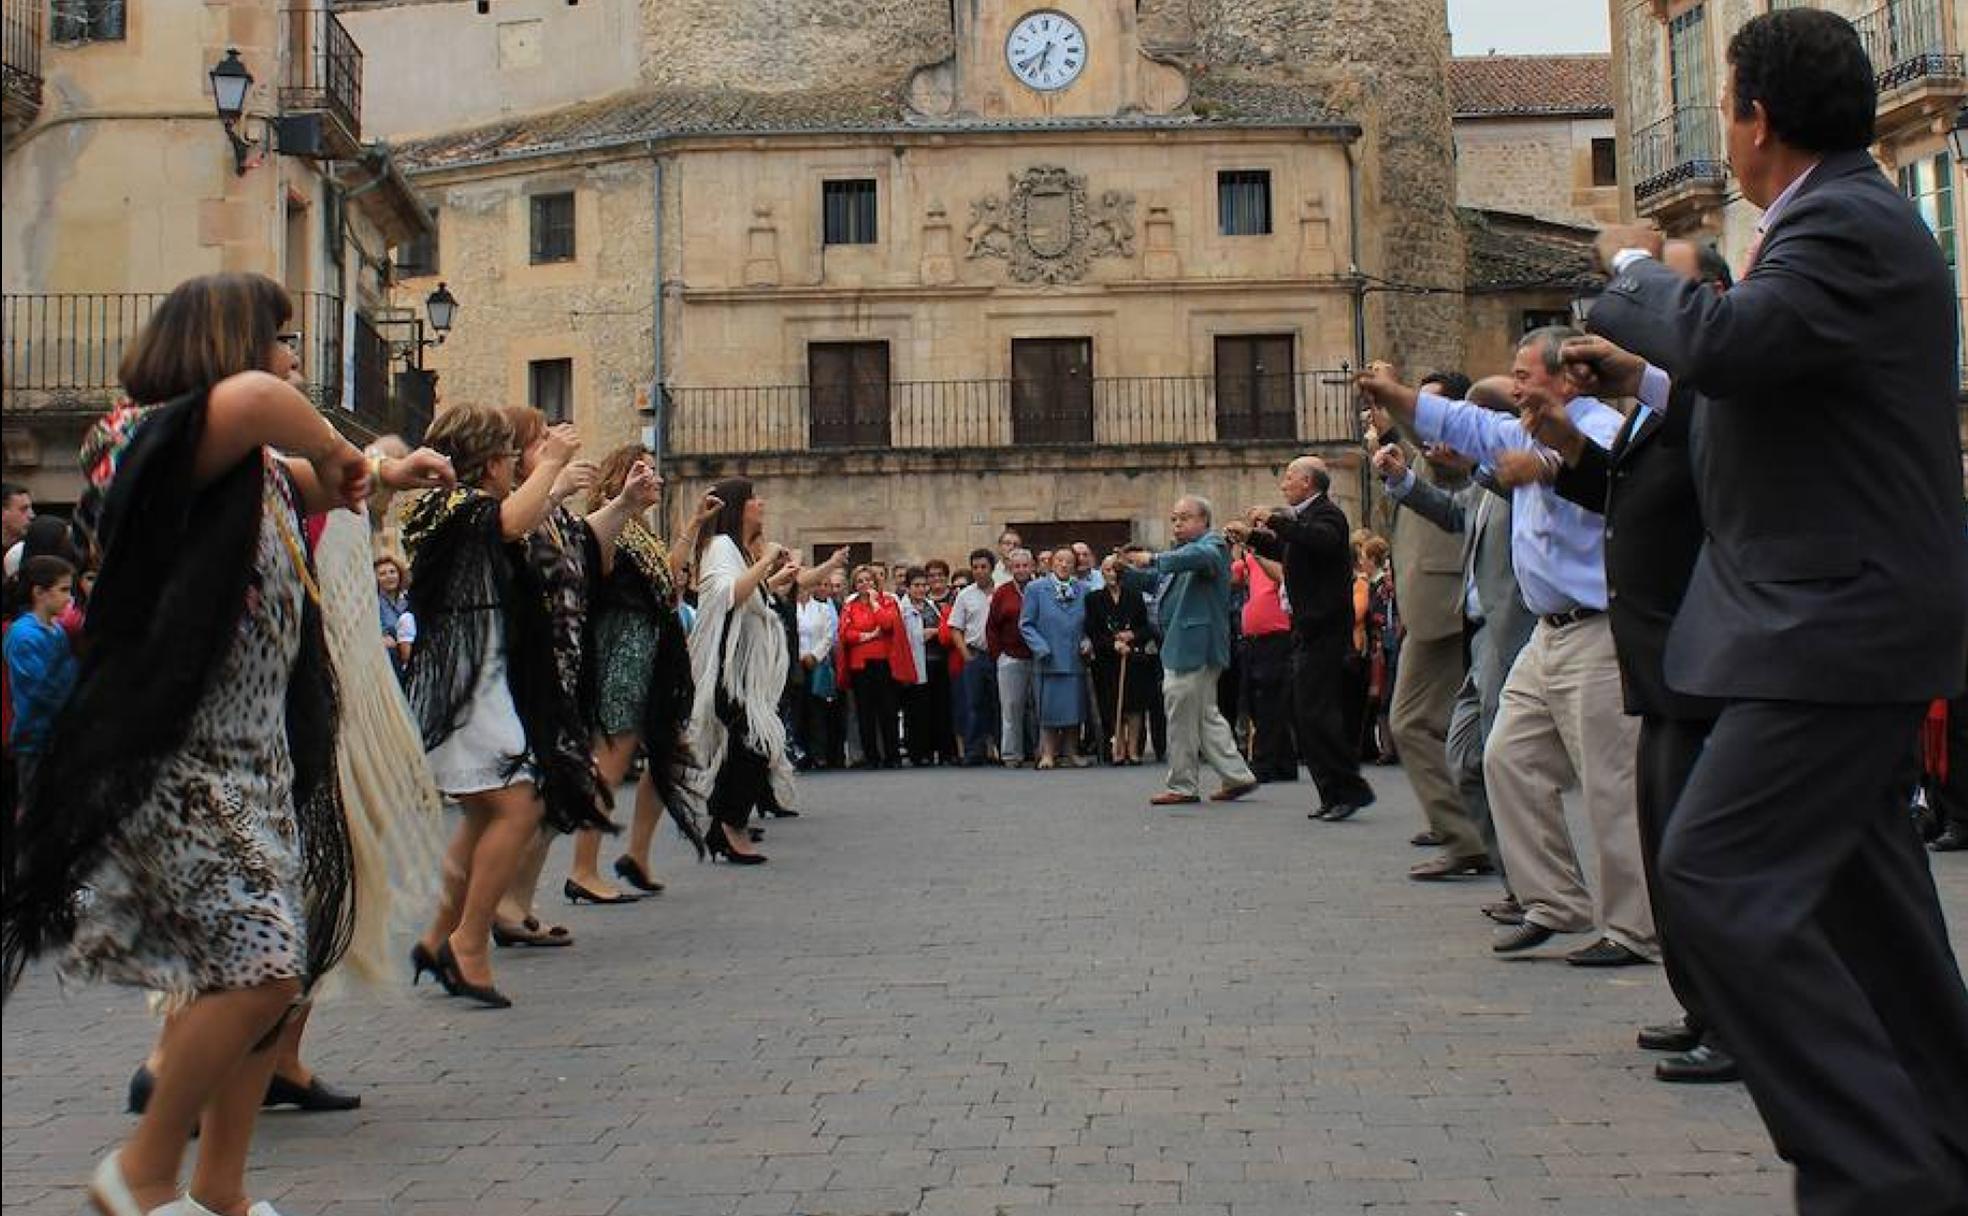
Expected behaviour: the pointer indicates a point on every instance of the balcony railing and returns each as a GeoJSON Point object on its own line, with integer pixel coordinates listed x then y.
{"type": "Point", "coordinates": [21, 28]}
{"type": "Point", "coordinates": [1683, 148]}
{"type": "Point", "coordinates": [1165, 411]}
{"type": "Point", "coordinates": [324, 69]}
{"type": "Point", "coordinates": [1908, 41]}
{"type": "Point", "coordinates": [68, 347]}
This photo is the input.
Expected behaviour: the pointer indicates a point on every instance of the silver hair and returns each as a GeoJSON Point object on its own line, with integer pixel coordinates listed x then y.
{"type": "Point", "coordinates": [1201, 504]}
{"type": "Point", "coordinates": [1549, 342]}
{"type": "Point", "coordinates": [1025, 553]}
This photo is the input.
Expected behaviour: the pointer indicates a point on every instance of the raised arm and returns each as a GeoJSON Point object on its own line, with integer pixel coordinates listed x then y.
{"type": "Point", "coordinates": [527, 507]}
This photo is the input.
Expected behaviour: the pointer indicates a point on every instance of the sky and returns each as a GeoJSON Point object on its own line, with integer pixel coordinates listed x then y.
{"type": "Point", "coordinates": [1529, 27]}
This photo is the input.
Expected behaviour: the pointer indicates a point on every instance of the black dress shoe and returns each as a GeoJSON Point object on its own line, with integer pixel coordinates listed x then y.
{"type": "Point", "coordinates": [316, 1095]}
{"type": "Point", "coordinates": [1669, 1036]}
{"type": "Point", "coordinates": [1505, 911]}
{"type": "Point", "coordinates": [1953, 839]}
{"type": "Point", "coordinates": [1527, 936]}
{"type": "Point", "coordinates": [1606, 953]}
{"type": "Point", "coordinates": [629, 870]}
{"type": "Point", "coordinates": [1705, 1065]}
{"type": "Point", "coordinates": [141, 1083]}
{"type": "Point", "coordinates": [1346, 808]}
{"type": "Point", "coordinates": [576, 893]}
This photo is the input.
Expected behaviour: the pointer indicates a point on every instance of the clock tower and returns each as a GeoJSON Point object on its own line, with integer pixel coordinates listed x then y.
{"type": "Point", "coordinates": [1038, 59]}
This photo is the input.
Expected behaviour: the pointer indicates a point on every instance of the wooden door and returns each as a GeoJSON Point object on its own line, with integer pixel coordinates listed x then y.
{"type": "Point", "coordinates": [1052, 390]}
{"type": "Point", "coordinates": [1256, 390]}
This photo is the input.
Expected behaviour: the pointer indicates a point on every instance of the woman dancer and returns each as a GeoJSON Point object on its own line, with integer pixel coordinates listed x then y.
{"type": "Point", "coordinates": [1053, 623]}
{"type": "Point", "coordinates": [195, 762]}
{"type": "Point", "coordinates": [643, 657]}
{"type": "Point", "coordinates": [504, 732]}
{"type": "Point", "coordinates": [738, 658]}
{"type": "Point", "coordinates": [1117, 626]}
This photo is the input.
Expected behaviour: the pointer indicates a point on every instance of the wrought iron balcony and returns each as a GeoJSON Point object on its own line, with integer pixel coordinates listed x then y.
{"type": "Point", "coordinates": [22, 26]}
{"type": "Point", "coordinates": [941, 416]}
{"type": "Point", "coordinates": [1678, 165]}
{"type": "Point", "coordinates": [1917, 53]}
{"type": "Point", "coordinates": [321, 86]}
{"type": "Point", "coordinates": [63, 351]}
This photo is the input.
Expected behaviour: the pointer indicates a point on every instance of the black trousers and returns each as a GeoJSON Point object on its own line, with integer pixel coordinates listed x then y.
{"type": "Point", "coordinates": [1952, 798]}
{"type": "Point", "coordinates": [1268, 692]}
{"type": "Point", "coordinates": [919, 723]}
{"type": "Point", "coordinates": [1319, 686]}
{"type": "Point", "coordinates": [743, 784]}
{"type": "Point", "coordinates": [1668, 750]}
{"type": "Point", "coordinates": [874, 708]}
{"type": "Point", "coordinates": [1802, 904]}
{"type": "Point", "coordinates": [939, 729]}
{"type": "Point", "coordinates": [813, 721]}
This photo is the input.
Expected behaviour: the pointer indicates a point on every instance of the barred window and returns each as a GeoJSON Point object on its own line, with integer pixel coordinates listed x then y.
{"type": "Point", "coordinates": [848, 212]}
{"type": "Point", "coordinates": [1605, 162]}
{"type": "Point", "coordinates": [553, 228]}
{"type": "Point", "coordinates": [1243, 202]}
{"type": "Point", "coordinates": [86, 21]}
{"type": "Point", "coordinates": [417, 257]}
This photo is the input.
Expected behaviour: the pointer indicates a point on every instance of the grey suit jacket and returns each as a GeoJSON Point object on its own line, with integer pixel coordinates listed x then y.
{"type": "Point", "coordinates": [1482, 518]}
{"type": "Point", "coordinates": [1427, 575]}
{"type": "Point", "coordinates": [1826, 456]}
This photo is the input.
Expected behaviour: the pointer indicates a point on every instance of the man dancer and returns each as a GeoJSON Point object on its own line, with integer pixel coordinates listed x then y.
{"type": "Point", "coordinates": [1560, 723]}
{"type": "Point", "coordinates": [1195, 621]}
{"type": "Point", "coordinates": [1828, 607]}
{"type": "Point", "coordinates": [1310, 535]}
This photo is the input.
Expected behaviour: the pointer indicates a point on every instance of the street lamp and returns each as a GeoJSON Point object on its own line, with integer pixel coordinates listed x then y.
{"type": "Point", "coordinates": [230, 84]}
{"type": "Point", "coordinates": [442, 308]}
{"type": "Point", "coordinates": [1958, 136]}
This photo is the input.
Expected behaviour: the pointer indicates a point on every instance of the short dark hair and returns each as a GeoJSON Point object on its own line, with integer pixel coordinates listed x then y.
{"type": "Point", "coordinates": [989, 555]}
{"type": "Point", "coordinates": [934, 564]}
{"type": "Point", "coordinates": [207, 329]}
{"type": "Point", "coordinates": [1455, 385]}
{"type": "Point", "coordinates": [913, 573]}
{"type": "Point", "coordinates": [42, 571]}
{"type": "Point", "coordinates": [1713, 266]}
{"type": "Point", "coordinates": [1811, 73]}
{"type": "Point", "coordinates": [10, 491]}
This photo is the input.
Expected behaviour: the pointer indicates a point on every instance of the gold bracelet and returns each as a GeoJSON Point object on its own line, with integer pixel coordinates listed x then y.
{"type": "Point", "coordinates": [375, 460]}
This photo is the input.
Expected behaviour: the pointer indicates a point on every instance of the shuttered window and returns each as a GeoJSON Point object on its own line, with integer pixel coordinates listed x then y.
{"type": "Point", "coordinates": [553, 228]}
{"type": "Point", "coordinates": [847, 394]}
{"type": "Point", "coordinates": [1243, 202]}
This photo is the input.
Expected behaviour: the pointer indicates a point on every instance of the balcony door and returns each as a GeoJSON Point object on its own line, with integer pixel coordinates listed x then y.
{"type": "Point", "coordinates": [1052, 390]}
{"type": "Point", "coordinates": [1256, 395]}
{"type": "Point", "coordinates": [847, 394]}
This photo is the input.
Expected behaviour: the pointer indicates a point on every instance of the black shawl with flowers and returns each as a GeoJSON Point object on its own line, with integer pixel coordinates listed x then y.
{"type": "Point", "coordinates": [462, 570]}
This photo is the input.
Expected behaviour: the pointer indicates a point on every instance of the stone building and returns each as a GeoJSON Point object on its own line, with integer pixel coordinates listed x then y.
{"type": "Point", "coordinates": [1669, 71]}
{"type": "Point", "coordinates": [1534, 136]}
{"type": "Point", "coordinates": [926, 269]}
{"type": "Point", "coordinates": [120, 182]}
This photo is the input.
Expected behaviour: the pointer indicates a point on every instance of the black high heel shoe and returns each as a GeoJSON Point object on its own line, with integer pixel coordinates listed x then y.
{"type": "Point", "coordinates": [720, 846]}
{"type": "Point", "coordinates": [576, 893]}
{"type": "Point", "coordinates": [422, 961]}
{"type": "Point", "coordinates": [456, 984]}
{"type": "Point", "coordinates": [630, 871]}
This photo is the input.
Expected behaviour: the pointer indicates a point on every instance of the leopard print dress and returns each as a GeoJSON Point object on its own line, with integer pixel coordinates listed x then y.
{"type": "Point", "coordinates": [202, 890]}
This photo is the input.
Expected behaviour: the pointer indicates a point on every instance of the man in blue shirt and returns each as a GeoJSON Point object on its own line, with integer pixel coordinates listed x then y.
{"type": "Point", "coordinates": [1562, 721]}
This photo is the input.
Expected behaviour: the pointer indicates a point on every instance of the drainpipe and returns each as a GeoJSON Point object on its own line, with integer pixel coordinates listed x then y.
{"type": "Point", "coordinates": [653, 434]}
{"type": "Point", "coordinates": [1359, 312]}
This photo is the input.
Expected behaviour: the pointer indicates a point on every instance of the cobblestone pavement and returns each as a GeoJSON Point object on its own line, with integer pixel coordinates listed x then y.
{"type": "Point", "coordinates": [961, 992]}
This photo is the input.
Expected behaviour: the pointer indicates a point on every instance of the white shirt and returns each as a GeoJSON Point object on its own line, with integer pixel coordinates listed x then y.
{"type": "Point", "coordinates": [818, 625]}
{"type": "Point", "coordinates": [971, 613]}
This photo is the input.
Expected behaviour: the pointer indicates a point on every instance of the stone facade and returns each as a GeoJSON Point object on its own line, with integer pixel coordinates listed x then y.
{"type": "Point", "coordinates": [122, 184]}
{"type": "Point", "coordinates": [710, 302]}
{"type": "Point", "coordinates": [1534, 166]}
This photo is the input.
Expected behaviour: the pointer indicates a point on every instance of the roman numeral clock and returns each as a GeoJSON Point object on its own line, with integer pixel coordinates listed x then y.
{"type": "Point", "coordinates": [1046, 50]}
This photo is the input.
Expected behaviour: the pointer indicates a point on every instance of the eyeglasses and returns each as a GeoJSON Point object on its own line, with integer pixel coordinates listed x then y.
{"type": "Point", "coordinates": [292, 341]}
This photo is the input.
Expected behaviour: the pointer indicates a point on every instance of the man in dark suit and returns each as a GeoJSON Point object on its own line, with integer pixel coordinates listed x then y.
{"type": "Point", "coordinates": [1644, 487]}
{"type": "Point", "coordinates": [1310, 535]}
{"type": "Point", "coordinates": [1829, 604]}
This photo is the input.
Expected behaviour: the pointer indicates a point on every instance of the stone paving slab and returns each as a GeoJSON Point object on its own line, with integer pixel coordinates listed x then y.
{"type": "Point", "coordinates": [965, 993]}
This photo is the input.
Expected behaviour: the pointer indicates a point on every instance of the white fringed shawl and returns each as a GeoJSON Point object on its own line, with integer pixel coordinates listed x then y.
{"type": "Point", "coordinates": [754, 674]}
{"type": "Point", "coordinates": [395, 831]}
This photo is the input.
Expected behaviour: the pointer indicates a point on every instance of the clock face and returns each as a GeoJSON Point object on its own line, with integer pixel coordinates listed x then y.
{"type": "Point", "coordinates": [1047, 50]}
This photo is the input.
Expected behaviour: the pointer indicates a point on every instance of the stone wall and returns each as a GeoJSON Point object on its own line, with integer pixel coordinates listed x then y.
{"type": "Point", "coordinates": [1534, 166]}
{"type": "Point", "coordinates": [791, 44]}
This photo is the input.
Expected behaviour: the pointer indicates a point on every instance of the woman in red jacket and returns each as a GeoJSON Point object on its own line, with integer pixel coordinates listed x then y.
{"type": "Point", "coordinates": [870, 625]}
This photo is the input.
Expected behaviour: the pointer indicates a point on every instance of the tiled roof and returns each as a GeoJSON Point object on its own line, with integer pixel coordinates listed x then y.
{"type": "Point", "coordinates": [1498, 86]}
{"type": "Point", "coordinates": [628, 118]}
{"type": "Point", "coordinates": [1516, 252]}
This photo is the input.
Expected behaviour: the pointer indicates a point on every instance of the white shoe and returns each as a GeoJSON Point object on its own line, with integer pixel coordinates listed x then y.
{"type": "Point", "coordinates": [262, 1208]}
{"type": "Point", "coordinates": [109, 1192]}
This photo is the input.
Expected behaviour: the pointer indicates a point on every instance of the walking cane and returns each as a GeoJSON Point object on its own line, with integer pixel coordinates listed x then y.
{"type": "Point", "coordinates": [1120, 700]}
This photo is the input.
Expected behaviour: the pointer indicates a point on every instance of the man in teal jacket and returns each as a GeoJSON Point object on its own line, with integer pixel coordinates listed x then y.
{"type": "Point", "coordinates": [1195, 621]}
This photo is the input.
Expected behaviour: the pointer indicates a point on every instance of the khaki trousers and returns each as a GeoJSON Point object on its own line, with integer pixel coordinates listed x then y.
{"type": "Point", "coordinates": [1425, 683]}
{"type": "Point", "coordinates": [1561, 725]}
{"type": "Point", "coordinates": [1198, 733]}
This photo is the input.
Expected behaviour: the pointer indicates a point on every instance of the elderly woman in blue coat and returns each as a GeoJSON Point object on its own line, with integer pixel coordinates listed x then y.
{"type": "Point", "coordinates": [1053, 624]}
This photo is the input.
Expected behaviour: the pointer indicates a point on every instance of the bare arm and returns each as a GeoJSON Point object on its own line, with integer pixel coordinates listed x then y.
{"type": "Point", "coordinates": [814, 576]}
{"type": "Point", "coordinates": [527, 507]}
{"type": "Point", "coordinates": [257, 409]}
{"type": "Point", "coordinates": [748, 583]}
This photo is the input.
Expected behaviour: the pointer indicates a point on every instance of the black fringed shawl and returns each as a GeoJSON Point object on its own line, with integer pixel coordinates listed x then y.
{"type": "Point", "coordinates": [463, 568]}
{"type": "Point", "coordinates": [177, 562]}
{"type": "Point", "coordinates": [639, 583]}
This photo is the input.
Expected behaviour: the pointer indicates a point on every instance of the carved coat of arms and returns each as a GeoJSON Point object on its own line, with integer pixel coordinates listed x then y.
{"type": "Point", "coordinates": [1048, 229]}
